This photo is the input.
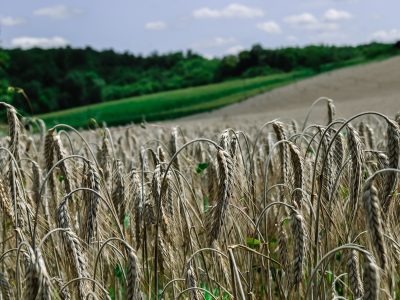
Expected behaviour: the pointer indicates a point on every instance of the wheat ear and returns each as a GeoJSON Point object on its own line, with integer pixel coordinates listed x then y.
{"type": "Point", "coordinates": [118, 191]}
{"type": "Point", "coordinates": [226, 175]}
{"type": "Point", "coordinates": [284, 155]}
{"type": "Point", "coordinates": [5, 201]}
{"type": "Point", "coordinates": [299, 242]}
{"type": "Point", "coordinates": [64, 167]}
{"type": "Point", "coordinates": [371, 279]}
{"type": "Point", "coordinates": [393, 153]}
{"type": "Point", "coordinates": [64, 294]}
{"type": "Point", "coordinates": [93, 198]}
{"type": "Point", "coordinates": [353, 266]}
{"type": "Point", "coordinates": [374, 222]}
{"type": "Point", "coordinates": [283, 253]}
{"type": "Point", "coordinates": [37, 280]}
{"type": "Point", "coordinates": [133, 277]}
{"type": "Point", "coordinates": [49, 158]}
{"type": "Point", "coordinates": [14, 132]}
{"type": "Point", "coordinates": [357, 161]}
{"type": "Point", "coordinates": [331, 111]}
{"type": "Point", "coordinates": [191, 282]}
{"type": "Point", "coordinates": [5, 287]}
{"type": "Point", "coordinates": [73, 247]}
{"type": "Point", "coordinates": [298, 170]}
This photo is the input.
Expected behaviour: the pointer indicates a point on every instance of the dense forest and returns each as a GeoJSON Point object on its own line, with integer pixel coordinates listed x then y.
{"type": "Point", "coordinates": [61, 78]}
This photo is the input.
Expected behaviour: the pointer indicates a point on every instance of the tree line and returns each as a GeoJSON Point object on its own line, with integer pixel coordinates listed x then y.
{"type": "Point", "coordinates": [55, 79]}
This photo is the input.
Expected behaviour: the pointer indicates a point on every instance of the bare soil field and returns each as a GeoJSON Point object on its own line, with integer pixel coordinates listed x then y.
{"type": "Point", "coordinates": [374, 86]}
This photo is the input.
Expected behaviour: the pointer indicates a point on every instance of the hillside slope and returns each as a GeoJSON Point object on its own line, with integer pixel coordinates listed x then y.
{"type": "Point", "coordinates": [374, 86]}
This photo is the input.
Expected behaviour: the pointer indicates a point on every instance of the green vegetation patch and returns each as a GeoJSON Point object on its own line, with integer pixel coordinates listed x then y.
{"type": "Point", "coordinates": [172, 104]}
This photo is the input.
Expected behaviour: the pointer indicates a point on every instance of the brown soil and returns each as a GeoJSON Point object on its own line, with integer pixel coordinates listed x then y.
{"type": "Point", "coordinates": [369, 87]}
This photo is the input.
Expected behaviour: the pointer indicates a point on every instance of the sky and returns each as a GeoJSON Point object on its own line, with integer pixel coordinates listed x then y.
{"type": "Point", "coordinates": [211, 27]}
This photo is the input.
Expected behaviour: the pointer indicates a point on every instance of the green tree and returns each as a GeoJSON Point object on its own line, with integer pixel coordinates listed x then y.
{"type": "Point", "coordinates": [80, 88]}
{"type": "Point", "coordinates": [227, 67]}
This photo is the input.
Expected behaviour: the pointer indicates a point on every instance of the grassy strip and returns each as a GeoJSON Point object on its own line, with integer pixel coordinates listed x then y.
{"type": "Point", "coordinates": [172, 104]}
{"type": "Point", "coordinates": [352, 62]}
{"type": "Point", "coordinates": [211, 105]}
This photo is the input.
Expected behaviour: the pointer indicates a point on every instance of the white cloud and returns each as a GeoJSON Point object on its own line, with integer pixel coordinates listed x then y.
{"type": "Point", "coordinates": [220, 41]}
{"type": "Point", "coordinates": [215, 43]}
{"type": "Point", "coordinates": [26, 42]}
{"type": "Point", "coordinates": [376, 17]}
{"type": "Point", "coordinates": [310, 22]}
{"type": "Point", "coordinates": [156, 25]}
{"type": "Point", "coordinates": [11, 21]}
{"type": "Point", "coordinates": [330, 38]}
{"type": "Point", "coordinates": [336, 15]}
{"type": "Point", "coordinates": [291, 38]}
{"type": "Point", "coordinates": [208, 56]}
{"type": "Point", "coordinates": [57, 12]}
{"type": "Point", "coordinates": [269, 27]}
{"type": "Point", "coordinates": [233, 10]}
{"type": "Point", "coordinates": [323, 26]}
{"type": "Point", "coordinates": [387, 35]}
{"type": "Point", "coordinates": [304, 19]}
{"type": "Point", "coordinates": [234, 49]}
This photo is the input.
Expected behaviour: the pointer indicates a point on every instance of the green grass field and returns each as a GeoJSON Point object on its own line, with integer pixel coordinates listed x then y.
{"type": "Point", "coordinates": [172, 104]}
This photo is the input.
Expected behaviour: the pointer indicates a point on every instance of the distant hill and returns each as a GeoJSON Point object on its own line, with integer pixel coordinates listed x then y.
{"type": "Point", "coordinates": [57, 79]}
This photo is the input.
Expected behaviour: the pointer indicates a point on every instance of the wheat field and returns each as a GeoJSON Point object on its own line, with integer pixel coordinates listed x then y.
{"type": "Point", "coordinates": [292, 210]}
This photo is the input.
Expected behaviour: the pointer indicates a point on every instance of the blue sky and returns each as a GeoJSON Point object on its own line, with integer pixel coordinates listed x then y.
{"type": "Point", "coordinates": [212, 27]}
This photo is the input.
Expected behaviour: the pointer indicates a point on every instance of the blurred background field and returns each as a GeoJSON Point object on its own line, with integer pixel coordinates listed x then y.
{"type": "Point", "coordinates": [75, 85]}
